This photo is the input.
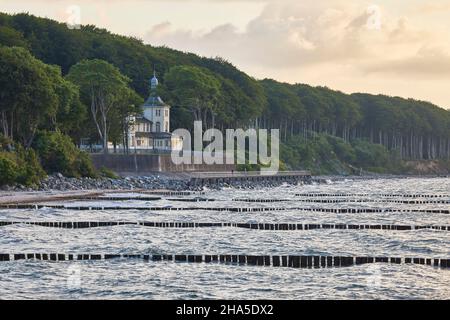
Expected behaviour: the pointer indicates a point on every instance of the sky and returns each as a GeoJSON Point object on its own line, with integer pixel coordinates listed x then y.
{"type": "Point", "coordinates": [399, 48]}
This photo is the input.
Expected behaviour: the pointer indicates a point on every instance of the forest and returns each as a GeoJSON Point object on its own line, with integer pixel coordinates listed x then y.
{"type": "Point", "coordinates": [61, 85]}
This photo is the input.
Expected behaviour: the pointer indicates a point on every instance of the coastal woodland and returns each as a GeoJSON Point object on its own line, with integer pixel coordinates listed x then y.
{"type": "Point", "coordinates": [58, 86]}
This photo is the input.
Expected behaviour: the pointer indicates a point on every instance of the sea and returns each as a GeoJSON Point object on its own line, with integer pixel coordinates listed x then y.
{"type": "Point", "coordinates": [402, 201]}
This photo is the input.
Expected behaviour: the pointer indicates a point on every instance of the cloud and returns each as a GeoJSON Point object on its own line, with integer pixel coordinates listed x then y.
{"type": "Point", "coordinates": [427, 62]}
{"type": "Point", "coordinates": [288, 34]}
{"type": "Point", "coordinates": [341, 44]}
{"type": "Point", "coordinates": [279, 36]}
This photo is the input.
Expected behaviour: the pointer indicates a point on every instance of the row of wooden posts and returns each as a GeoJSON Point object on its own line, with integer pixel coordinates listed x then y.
{"type": "Point", "coordinates": [347, 201]}
{"type": "Point", "coordinates": [254, 226]}
{"type": "Point", "coordinates": [227, 209]}
{"type": "Point", "coordinates": [292, 261]}
{"type": "Point", "coordinates": [389, 195]}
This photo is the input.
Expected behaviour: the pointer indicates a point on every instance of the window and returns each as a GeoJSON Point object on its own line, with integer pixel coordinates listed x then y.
{"type": "Point", "coordinates": [158, 127]}
{"type": "Point", "coordinates": [158, 112]}
{"type": "Point", "coordinates": [166, 127]}
{"type": "Point", "coordinates": [167, 113]}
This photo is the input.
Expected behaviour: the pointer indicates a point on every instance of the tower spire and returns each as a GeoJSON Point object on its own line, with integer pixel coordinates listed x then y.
{"type": "Point", "coordinates": [154, 81]}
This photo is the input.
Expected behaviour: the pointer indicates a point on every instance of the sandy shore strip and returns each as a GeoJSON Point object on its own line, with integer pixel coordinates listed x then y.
{"type": "Point", "coordinates": [14, 197]}
{"type": "Point", "coordinates": [26, 197]}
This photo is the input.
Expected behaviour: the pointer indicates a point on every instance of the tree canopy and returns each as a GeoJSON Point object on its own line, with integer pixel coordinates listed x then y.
{"type": "Point", "coordinates": [107, 79]}
{"type": "Point", "coordinates": [105, 90]}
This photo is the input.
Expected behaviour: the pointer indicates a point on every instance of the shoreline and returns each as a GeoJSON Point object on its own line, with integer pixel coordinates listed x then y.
{"type": "Point", "coordinates": [61, 188]}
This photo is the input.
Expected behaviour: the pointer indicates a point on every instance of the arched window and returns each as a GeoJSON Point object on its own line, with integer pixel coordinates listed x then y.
{"type": "Point", "coordinates": [158, 127]}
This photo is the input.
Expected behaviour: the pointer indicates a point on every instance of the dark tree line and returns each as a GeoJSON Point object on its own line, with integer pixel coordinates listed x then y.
{"type": "Point", "coordinates": [415, 129]}
{"type": "Point", "coordinates": [228, 98]}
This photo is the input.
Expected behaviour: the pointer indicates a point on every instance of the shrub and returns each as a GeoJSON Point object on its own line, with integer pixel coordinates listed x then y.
{"type": "Point", "coordinates": [31, 171]}
{"type": "Point", "coordinates": [59, 154]}
{"type": "Point", "coordinates": [20, 167]}
{"type": "Point", "coordinates": [342, 149]}
{"type": "Point", "coordinates": [85, 166]}
{"type": "Point", "coordinates": [370, 155]}
{"type": "Point", "coordinates": [107, 173]}
{"type": "Point", "coordinates": [5, 143]}
{"type": "Point", "coordinates": [8, 169]}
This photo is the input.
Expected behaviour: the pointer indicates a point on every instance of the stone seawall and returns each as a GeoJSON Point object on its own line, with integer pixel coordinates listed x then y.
{"type": "Point", "coordinates": [140, 164]}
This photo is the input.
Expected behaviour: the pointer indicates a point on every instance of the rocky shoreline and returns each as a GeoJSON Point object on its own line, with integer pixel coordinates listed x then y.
{"type": "Point", "coordinates": [163, 181]}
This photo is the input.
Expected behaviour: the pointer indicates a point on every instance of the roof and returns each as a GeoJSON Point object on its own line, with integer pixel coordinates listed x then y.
{"type": "Point", "coordinates": [154, 101]}
{"type": "Point", "coordinates": [142, 119]}
{"type": "Point", "coordinates": [161, 135]}
{"type": "Point", "coordinates": [143, 134]}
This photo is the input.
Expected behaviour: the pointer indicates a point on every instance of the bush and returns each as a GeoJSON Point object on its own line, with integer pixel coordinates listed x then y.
{"type": "Point", "coordinates": [85, 166]}
{"type": "Point", "coordinates": [8, 169]}
{"type": "Point", "coordinates": [324, 154]}
{"type": "Point", "coordinates": [342, 149]}
{"type": "Point", "coordinates": [59, 154]}
{"type": "Point", "coordinates": [107, 173]}
{"type": "Point", "coordinates": [371, 155]}
{"type": "Point", "coordinates": [31, 171]}
{"type": "Point", "coordinates": [5, 143]}
{"type": "Point", "coordinates": [315, 153]}
{"type": "Point", "coordinates": [20, 167]}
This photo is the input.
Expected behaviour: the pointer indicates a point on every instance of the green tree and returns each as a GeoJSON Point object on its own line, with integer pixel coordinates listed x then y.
{"type": "Point", "coordinates": [12, 38]}
{"type": "Point", "coordinates": [196, 90]}
{"type": "Point", "coordinates": [129, 103]}
{"type": "Point", "coordinates": [28, 96]}
{"type": "Point", "coordinates": [102, 87]}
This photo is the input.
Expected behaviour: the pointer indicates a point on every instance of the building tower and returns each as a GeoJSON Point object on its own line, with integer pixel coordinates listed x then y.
{"type": "Point", "coordinates": [155, 110]}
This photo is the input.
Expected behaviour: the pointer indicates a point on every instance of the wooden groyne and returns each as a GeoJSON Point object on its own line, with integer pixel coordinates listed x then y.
{"type": "Point", "coordinates": [291, 261]}
{"type": "Point", "coordinates": [171, 193]}
{"type": "Point", "coordinates": [389, 195]}
{"type": "Point", "coordinates": [253, 226]}
{"type": "Point", "coordinates": [346, 201]}
{"type": "Point", "coordinates": [226, 209]}
{"type": "Point", "coordinates": [212, 178]}
{"type": "Point", "coordinates": [119, 198]}
{"type": "Point", "coordinates": [193, 200]}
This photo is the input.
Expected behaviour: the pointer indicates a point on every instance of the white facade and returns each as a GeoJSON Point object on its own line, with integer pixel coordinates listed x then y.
{"type": "Point", "coordinates": [159, 116]}
{"type": "Point", "coordinates": [151, 129]}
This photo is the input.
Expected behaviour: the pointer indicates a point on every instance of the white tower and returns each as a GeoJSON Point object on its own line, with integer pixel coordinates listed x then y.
{"type": "Point", "coordinates": [155, 110]}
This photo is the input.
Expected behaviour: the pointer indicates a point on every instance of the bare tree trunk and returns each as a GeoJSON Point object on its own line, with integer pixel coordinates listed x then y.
{"type": "Point", "coordinates": [94, 110]}
{"type": "Point", "coordinates": [5, 124]}
{"type": "Point", "coordinates": [105, 132]}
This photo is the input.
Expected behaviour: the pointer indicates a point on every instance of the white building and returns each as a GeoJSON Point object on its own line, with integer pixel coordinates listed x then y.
{"type": "Point", "coordinates": [150, 130]}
